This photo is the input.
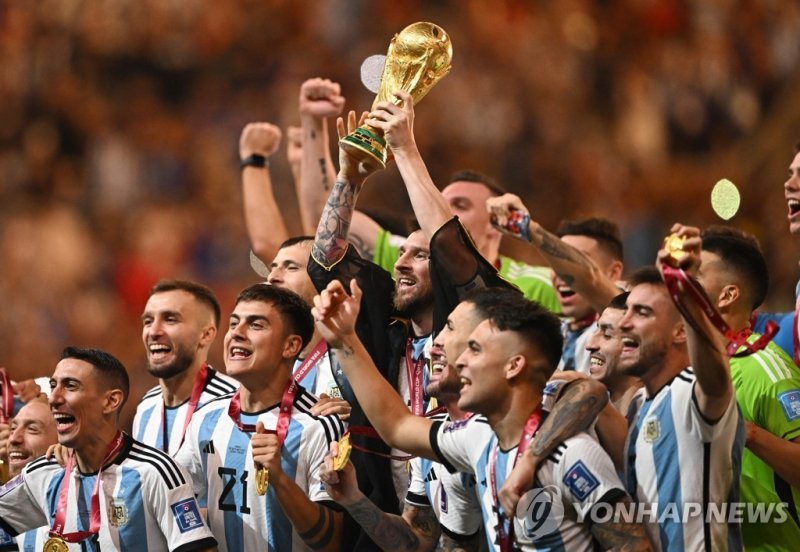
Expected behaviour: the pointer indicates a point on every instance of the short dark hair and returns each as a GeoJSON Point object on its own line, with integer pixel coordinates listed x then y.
{"type": "Point", "coordinates": [200, 292]}
{"type": "Point", "coordinates": [112, 372]}
{"type": "Point", "coordinates": [293, 309]}
{"type": "Point", "coordinates": [648, 274]}
{"type": "Point", "coordinates": [605, 232]}
{"type": "Point", "coordinates": [797, 148]}
{"type": "Point", "coordinates": [509, 310]}
{"type": "Point", "coordinates": [469, 175]}
{"type": "Point", "coordinates": [294, 240]}
{"type": "Point", "coordinates": [741, 253]}
{"type": "Point", "coordinates": [619, 302]}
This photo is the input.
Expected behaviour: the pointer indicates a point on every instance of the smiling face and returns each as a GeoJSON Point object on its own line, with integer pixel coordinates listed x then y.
{"type": "Point", "coordinates": [77, 401]}
{"type": "Point", "coordinates": [33, 429]}
{"type": "Point", "coordinates": [413, 292]}
{"type": "Point", "coordinates": [605, 345]}
{"type": "Point", "coordinates": [482, 368]}
{"type": "Point", "coordinates": [258, 342]}
{"type": "Point", "coordinates": [450, 343]}
{"type": "Point", "coordinates": [791, 191]}
{"type": "Point", "coordinates": [647, 330]}
{"type": "Point", "coordinates": [288, 270]}
{"type": "Point", "coordinates": [573, 305]}
{"type": "Point", "coordinates": [175, 326]}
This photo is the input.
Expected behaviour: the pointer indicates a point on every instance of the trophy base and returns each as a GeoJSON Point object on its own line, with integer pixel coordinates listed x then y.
{"type": "Point", "coordinates": [366, 146]}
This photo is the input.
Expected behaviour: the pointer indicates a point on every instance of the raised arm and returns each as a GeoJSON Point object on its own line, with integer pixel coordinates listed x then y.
{"type": "Point", "coordinates": [330, 242]}
{"type": "Point", "coordinates": [707, 355]}
{"type": "Point", "coordinates": [262, 216]}
{"type": "Point", "coordinates": [573, 266]}
{"type": "Point", "coordinates": [319, 100]}
{"type": "Point", "coordinates": [315, 174]}
{"type": "Point", "coordinates": [335, 313]}
{"type": "Point", "coordinates": [397, 123]}
{"type": "Point", "coordinates": [416, 530]}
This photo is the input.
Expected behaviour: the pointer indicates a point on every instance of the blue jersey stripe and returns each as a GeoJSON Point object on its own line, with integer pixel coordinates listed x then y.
{"type": "Point", "coordinates": [668, 476]}
{"type": "Point", "coordinates": [235, 500]}
{"type": "Point", "coordinates": [134, 529]}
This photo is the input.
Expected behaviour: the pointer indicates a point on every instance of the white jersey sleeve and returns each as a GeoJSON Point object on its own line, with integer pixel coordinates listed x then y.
{"type": "Point", "coordinates": [23, 500]}
{"type": "Point", "coordinates": [585, 473]}
{"type": "Point", "coordinates": [174, 507]}
{"type": "Point", "coordinates": [459, 444]}
{"type": "Point", "coordinates": [695, 423]}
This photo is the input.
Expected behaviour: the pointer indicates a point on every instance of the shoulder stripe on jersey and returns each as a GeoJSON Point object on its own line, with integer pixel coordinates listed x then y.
{"type": "Point", "coordinates": [39, 463]}
{"type": "Point", "coordinates": [556, 455]}
{"type": "Point", "coordinates": [331, 423]}
{"type": "Point", "coordinates": [684, 377]}
{"type": "Point", "coordinates": [688, 370]}
{"type": "Point", "coordinates": [154, 392]}
{"type": "Point", "coordinates": [162, 461]}
{"type": "Point", "coordinates": [219, 385]}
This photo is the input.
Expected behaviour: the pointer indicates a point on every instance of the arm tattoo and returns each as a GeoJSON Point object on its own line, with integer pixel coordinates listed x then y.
{"type": "Point", "coordinates": [390, 532]}
{"type": "Point", "coordinates": [621, 535]}
{"type": "Point", "coordinates": [330, 242]}
{"type": "Point", "coordinates": [424, 521]}
{"type": "Point", "coordinates": [555, 247]}
{"type": "Point", "coordinates": [464, 543]}
{"type": "Point", "coordinates": [574, 411]}
{"type": "Point", "coordinates": [320, 534]}
{"type": "Point", "coordinates": [324, 170]}
{"type": "Point", "coordinates": [347, 351]}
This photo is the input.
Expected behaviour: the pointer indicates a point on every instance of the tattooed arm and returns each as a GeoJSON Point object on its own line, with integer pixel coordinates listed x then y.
{"type": "Point", "coordinates": [577, 407]}
{"type": "Point", "coordinates": [573, 266]}
{"type": "Point", "coordinates": [461, 543]}
{"type": "Point", "coordinates": [416, 529]}
{"type": "Point", "coordinates": [330, 242]}
{"type": "Point", "coordinates": [319, 99]}
{"type": "Point", "coordinates": [618, 534]}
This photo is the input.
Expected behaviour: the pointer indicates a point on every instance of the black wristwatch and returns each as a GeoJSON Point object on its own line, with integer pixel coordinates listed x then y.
{"type": "Point", "coordinates": [255, 160]}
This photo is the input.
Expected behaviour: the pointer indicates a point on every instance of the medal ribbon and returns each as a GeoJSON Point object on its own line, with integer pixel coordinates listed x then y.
{"type": "Point", "coordinates": [285, 414]}
{"type": "Point", "coordinates": [61, 512]}
{"type": "Point", "coordinates": [678, 281]}
{"type": "Point", "coordinates": [197, 389]}
{"type": "Point", "coordinates": [7, 409]}
{"type": "Point", "coordinates": [415, 371]}
{"type": "Point", "coordinates": [507, 541]}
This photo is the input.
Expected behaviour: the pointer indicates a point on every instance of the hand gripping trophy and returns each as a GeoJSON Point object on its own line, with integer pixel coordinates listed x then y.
{"type": "Point", "coordinates": [418, 57]}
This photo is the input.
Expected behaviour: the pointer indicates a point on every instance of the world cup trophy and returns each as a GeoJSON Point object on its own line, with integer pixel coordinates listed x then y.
{"type": "Point", "coordinates": [418, 57]}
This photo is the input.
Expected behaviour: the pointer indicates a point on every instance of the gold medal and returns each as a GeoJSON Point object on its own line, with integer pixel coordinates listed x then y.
{"type": "Point", "coordinates": [55, 544]}
{"type": "Point", "coordinates": [674, 246]}
{"type": "Point", "coordinates": [262, 480]}
{"type": "Point", "coordinates": [343, 455]}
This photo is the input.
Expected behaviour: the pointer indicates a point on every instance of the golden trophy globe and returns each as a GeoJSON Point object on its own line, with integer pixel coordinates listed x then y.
{"type": "Point", "coordinates": [418, 57]}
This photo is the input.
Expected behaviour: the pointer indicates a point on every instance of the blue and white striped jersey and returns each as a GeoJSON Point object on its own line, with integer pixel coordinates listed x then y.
{"type": "Point", "coordinates": [146, 502]}
{"type": "Point", "coordinates": [451, 495]}
{"type": "Point", "coordinates": [219, 458]}
{"type": "Point", "coordinates": [319, 378]}
{"type": "Point", "coordinates": [578, 476]}
{"type": "Point", "coordinates": [33, 540]}
{"type": "Point", "coordinates": [678, 465]}
{"type": "Point", "coordinates": [148, 423]}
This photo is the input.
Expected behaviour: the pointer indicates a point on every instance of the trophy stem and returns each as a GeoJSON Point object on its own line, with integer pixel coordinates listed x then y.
{"type": "Point", "coordinates": [366, 145]}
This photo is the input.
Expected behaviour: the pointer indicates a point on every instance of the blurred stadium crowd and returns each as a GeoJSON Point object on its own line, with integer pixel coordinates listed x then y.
{"type": "Point", "coordinates": [120, 120]}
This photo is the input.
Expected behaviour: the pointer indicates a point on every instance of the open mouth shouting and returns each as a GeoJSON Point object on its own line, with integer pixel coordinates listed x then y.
{"type": "Point", "coordinates": [159, 352]}
{"type": "Point", "coordinates": [65, 423]}
{"type": "Point", "coordinates": [794, 209]}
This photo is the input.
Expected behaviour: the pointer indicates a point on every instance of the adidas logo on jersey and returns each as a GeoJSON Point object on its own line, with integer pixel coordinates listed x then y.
{"type": "Point", "coordinates": [209, 448]}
